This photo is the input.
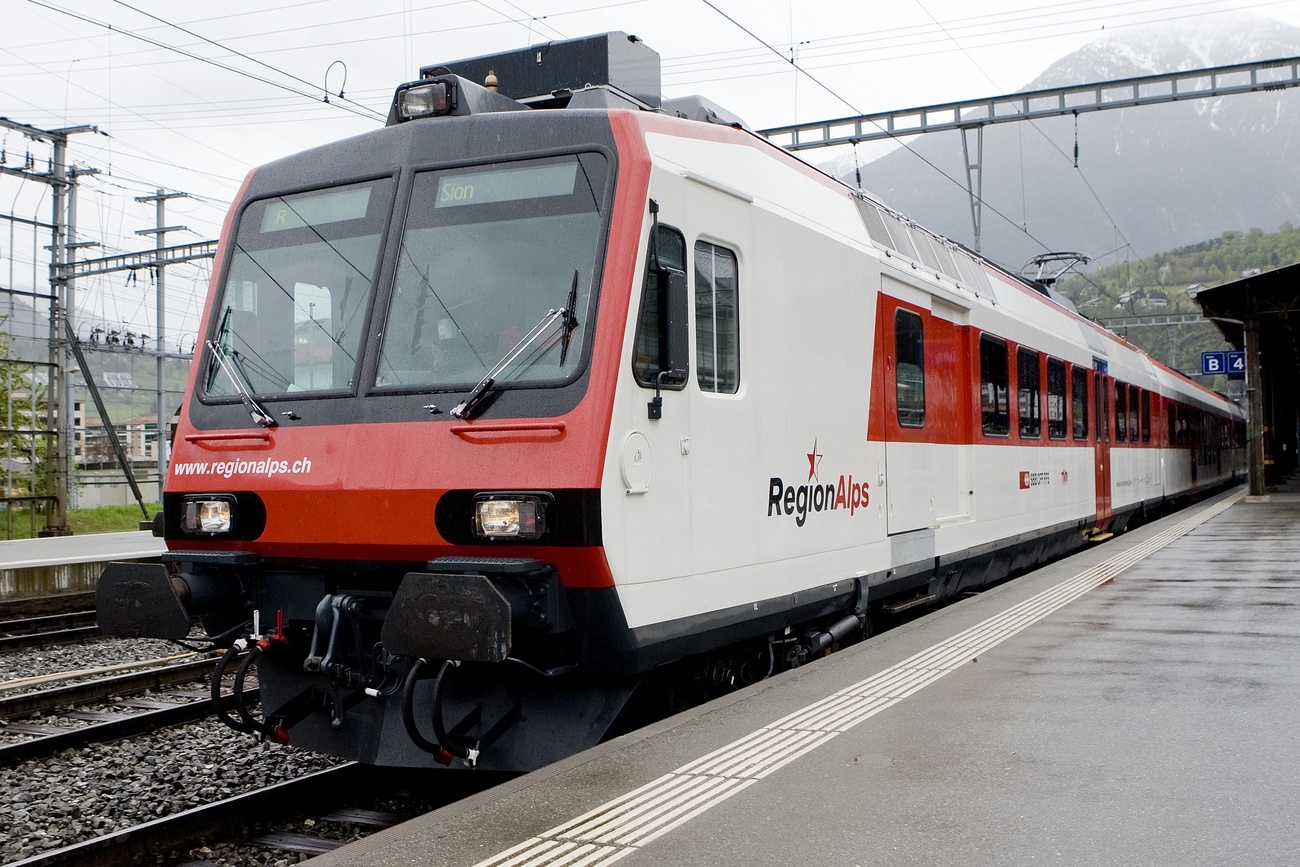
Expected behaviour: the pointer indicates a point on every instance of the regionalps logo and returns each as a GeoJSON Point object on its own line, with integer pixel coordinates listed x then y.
{"type": "Point", "coordinates": [814, 496]}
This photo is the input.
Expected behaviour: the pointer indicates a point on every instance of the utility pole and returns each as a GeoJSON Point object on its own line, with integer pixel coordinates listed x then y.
{"type": "Point", "coordinates": [56, 465]}
{"type": "Point", "coordinates": [159, 198]}
{"type": "Point", "coordinates": [58, 416]}
{"type": "Point", "coordinates": [129, 262]}
{"type": "Point", "coordinates": [68, 422]}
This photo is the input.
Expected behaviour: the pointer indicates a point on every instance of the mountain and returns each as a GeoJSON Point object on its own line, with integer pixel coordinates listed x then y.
{"type": "Point", "coordinates": [1150, 178]}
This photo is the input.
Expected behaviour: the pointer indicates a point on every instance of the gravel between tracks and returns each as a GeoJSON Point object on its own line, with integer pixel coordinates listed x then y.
{"type": "Point", "coordinates": [33, 662]}
{"type": "Point", "coordinates": [79, 794]}
{"type": "Point", "coordinates": [16, 665]}
{"type": "Point", "coordinates": [85, 793]}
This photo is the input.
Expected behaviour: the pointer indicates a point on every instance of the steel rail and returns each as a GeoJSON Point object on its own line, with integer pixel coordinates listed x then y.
{"type": "Point", "coordinates": [128, 726]}
{"type": "Point", "coordinates": [229, 818]}
{"type": "Point", "coordinates": [29, 704]}
{"type": "Point", "coordinates": [49, 638]}
{"type": "Point", "coordinates": [47, 630]}
{"type": "Point", "coordinates": [36, 606]}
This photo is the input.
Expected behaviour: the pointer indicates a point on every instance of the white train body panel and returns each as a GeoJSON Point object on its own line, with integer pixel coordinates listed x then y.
{"type": "Point", "coordinates": [696, 531]}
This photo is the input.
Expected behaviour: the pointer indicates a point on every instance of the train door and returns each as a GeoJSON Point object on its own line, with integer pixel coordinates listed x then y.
{"type": "Point", "coordinates": [909, 499]}
{"type": "Point", "coordinates": [1101, 384]}
{"type": "Point", "coordinates": [705, 437]}
{"type": "Point", "coordinates": [949, 390]}
{"type": "Point", "coordinates": [724, 445]}
{"type": "Point", "coordinates": [655, 470]}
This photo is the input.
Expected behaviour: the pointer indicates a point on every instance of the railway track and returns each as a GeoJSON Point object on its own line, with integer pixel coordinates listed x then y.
{"type": "Point", "coordinates": [122, 688]}
{"type": "Point", "coordinates": [38, 606]}
{"type": "Point", "coordinates": [48, 629]}
{"type": "Point", "coordinates": [232, 818]}
{"type": "Point", "coordinates": [119, 680]}
{"type": "Point", "coordinates": [45, 621]}
{"type": "Point", "coordinates": [336, 804]}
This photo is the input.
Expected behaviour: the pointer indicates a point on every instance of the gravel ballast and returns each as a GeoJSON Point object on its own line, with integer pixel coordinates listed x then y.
{"type": "Point", "coordinates": [80, 794]}
{"type": "Point", "coordinates": [84, 793]}
{"type": "Point", "coordinates": [100, 653]}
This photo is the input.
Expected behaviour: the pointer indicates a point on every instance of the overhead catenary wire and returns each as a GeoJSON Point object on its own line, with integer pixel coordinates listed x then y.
{"type": "Point", "coordinates": [238, 53]}
{"type": "Point", "coordinates": [359, 110]}
{"type": "Point", "coordinates": [1033, 125]}
{"type": "Point", "coordinates": [317, 25]}
{"type": "Point", "coordinates": [905, 145]}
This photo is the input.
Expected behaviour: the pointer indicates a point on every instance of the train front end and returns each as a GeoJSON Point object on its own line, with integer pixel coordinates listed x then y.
{"type": "Point", "coordinates": [383, 499]}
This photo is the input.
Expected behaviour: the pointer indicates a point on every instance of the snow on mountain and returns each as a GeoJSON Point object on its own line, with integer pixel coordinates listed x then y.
{"type": "Point", "coordinates": [1149, 178]}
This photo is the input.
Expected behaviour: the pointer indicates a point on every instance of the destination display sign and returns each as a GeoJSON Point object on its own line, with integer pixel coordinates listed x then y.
{"type": "Point", "coordinates": [507, 185]}
{"type": "Point", "coordinates": [316, 209]}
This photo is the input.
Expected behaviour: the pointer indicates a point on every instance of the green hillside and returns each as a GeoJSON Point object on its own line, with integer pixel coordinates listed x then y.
{"type": "Point", "coordinates": [1157, 286]}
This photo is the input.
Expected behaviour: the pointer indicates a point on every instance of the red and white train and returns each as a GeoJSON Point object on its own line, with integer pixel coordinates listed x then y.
{"type": "Point", "coordinates": [549, 386]}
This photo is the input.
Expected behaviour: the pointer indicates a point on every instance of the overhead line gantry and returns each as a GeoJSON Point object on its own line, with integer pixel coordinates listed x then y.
{"type": "Point", "coordinates": [972, 115]}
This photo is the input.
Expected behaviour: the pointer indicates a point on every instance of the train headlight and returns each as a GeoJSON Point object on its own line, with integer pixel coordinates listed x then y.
{"type": "Point", "coordinates": [208, 516]}
{"type": "Point", "coordinates": [425, 100]}
{"type": "Point", "coordinates": [509, 516]}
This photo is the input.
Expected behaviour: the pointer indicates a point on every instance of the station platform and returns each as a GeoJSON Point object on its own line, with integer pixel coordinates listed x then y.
{"type": "Point", "coordinates": [68, 564]}
{"type": "Point", "coordinates": [91, 547]}
{"type": "Point", "coordinates": [1134, 704]}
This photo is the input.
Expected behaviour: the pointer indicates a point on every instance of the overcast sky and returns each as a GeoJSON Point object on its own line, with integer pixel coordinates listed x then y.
{"type": "Point", "coordinates": [190, 96]}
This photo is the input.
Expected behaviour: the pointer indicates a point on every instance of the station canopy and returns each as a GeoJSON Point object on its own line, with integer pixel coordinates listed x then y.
{"type": "Point", "coordinates": [1266, 305]}
{"type": "Point", "coordinates": [1270, 297]}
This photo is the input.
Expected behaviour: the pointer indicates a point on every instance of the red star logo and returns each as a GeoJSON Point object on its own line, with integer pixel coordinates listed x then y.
{"type": "Point", "coordinates": [813, 460]}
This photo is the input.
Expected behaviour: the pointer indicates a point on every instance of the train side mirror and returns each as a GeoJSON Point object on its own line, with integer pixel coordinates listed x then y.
{"type": "Point", "coordinates": [676, 362]}
{"type": "Point", "coordinates": [674, 341]}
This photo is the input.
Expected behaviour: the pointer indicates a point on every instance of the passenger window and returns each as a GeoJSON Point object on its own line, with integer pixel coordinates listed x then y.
{"type": "Point", "coordinates": [1079, 401]}
{"type": "Point", "coordinates": [1101, 386]}
{"type": "Point", "coordinates": [1133, 413]}
{"type": "Point", "coordinates": [909, 368]}
{"type": "Point", "coordinates": [1055, 399]}
{"type": "Point", "coordinates": [668, 251]}
{"type": "Point", "coordinates": [1121, 412]}
{"type": "Point", "coordinates": [717, 319]}
{"type": "Point", "coordinates": [995, 408]}
{"type": "Point", "coordinates": [1029, 392]}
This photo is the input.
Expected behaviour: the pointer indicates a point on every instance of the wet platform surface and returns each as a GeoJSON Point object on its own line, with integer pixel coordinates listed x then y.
{"type": "Point", "coordinates": [127, 545]}
{"type": "Point", "coordinates": [1135, 704]}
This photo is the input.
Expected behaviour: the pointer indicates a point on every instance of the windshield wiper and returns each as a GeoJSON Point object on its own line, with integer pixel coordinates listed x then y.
{"type": "Point", "coordinates": [229, 362]}
{"type": "Point", "coordinates": [466, 406]}
{"type": "Point", "coordinates": [570, 319]}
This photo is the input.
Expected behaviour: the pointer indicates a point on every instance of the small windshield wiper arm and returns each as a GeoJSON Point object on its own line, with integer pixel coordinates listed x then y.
{"type": "Point", "coordinates": [570, 318]}
{"type": "Point", "coordinates": [229, 362]}
{"type": "Point", "coordinates": [466, 406]}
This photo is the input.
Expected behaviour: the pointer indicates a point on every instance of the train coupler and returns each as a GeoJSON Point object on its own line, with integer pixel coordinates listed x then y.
{"type": "Point", "coordinates": [332, 612]}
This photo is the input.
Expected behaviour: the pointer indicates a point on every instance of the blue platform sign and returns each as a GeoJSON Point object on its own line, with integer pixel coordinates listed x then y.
{"type": "Point", "coordinates": [1236, 365]}
{"type": "Point", "coordinates": [1213, 363]}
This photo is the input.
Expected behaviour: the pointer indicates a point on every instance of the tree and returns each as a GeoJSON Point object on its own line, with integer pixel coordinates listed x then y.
{"type": "Point", "coordinates": [23, 446]}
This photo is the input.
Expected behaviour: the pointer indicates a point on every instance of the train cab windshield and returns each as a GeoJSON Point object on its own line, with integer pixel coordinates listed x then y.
{"type": "Point", "coordinates": [292, 313]}
{"type": "Point", "coordinates": [486, 254]}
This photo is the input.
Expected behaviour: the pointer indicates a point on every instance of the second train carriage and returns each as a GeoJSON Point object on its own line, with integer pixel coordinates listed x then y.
{"type": "Point", "coordinates": [501, 410]}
